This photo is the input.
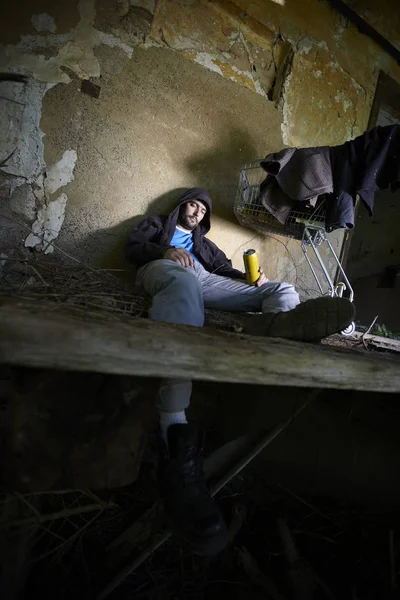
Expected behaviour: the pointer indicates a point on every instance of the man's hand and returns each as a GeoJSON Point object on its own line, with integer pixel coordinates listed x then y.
{"type": "Point", "coordinates": [262, 279]}
{"type": "Point", "coordinates": [180, 256]}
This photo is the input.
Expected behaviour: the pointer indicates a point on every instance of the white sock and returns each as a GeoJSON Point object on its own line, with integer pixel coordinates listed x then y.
{"type": "Point", "coordinates": [170, 418]}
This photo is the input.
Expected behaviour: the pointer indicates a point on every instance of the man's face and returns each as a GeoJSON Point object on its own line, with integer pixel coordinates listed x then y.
{"type": "Point", "coordinates": [191, 214]}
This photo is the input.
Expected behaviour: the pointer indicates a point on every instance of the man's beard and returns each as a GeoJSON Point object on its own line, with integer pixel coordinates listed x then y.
{"type": "Point", "coordinates": [187, 223]}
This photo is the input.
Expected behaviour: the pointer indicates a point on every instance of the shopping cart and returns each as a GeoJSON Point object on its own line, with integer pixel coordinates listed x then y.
{"type": "Point", "coordinates": [307, 225]}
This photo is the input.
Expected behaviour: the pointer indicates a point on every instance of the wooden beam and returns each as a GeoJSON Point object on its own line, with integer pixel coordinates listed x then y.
{"type": "Point", "coordinates": [36, 336]}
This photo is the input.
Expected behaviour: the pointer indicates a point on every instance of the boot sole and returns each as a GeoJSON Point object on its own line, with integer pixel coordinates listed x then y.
{"type": "Point", "coordinates": [310, 321]}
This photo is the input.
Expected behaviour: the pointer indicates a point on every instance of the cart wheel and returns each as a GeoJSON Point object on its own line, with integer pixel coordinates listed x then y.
{"type": "Point", "coordinates": [349, 329]}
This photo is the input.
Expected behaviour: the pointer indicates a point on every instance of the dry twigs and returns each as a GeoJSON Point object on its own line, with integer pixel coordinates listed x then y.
{"type": "Point", "coordinates": [62, 514]}
{"type": "Point", "coordinates": [71, 287]}
{"type": "Point", "coordinates": [77, 288]}
{"type": "Point", "coordinates": [28, 500]}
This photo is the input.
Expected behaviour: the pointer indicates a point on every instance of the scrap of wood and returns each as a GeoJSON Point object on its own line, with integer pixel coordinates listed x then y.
{"type": "Point", "coordinates": [367, 332]}
{"type": "Point", "coordinates": [33, 335]}
{"type": "Point", "coordinates": [377, 341]}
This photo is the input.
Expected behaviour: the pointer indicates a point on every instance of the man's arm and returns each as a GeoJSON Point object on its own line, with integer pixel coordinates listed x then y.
{"type": "Point", "coordinates": [142, 247]}
{"type": "Point", "coordinates": [221, 265]}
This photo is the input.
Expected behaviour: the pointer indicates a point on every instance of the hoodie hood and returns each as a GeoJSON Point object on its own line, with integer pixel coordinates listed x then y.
{"type": "Point", "coordinates": [192, 194]}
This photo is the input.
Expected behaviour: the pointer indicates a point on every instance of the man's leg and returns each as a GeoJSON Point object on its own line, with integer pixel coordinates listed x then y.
{"type": "Point", "coordinates": [222, 293]}
{"type": "Point", "coordinates": [176, 292]}
{"type": "Point", "coordinates": [177, 298]}
{"type": "Point", "coordinates": [284, 315]}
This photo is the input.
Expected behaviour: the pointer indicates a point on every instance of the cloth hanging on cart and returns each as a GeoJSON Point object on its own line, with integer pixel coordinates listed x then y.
{"type": "Point", "coordinates": [302, 173]}
{"type": "Point", "coordinates": [278, 203]}
{"type": "Point", "coordinates": [275, 200]}
{"type": "Point", "coordinates": [361, 166]}
{"type": "Point", "coordinates": [295, 175]}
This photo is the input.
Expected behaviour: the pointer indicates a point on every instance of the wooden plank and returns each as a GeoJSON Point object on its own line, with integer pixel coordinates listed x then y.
{"type": "Point", "coordinates": [376, 341]}
{"type": "Point", "coordinates": [35, 336]}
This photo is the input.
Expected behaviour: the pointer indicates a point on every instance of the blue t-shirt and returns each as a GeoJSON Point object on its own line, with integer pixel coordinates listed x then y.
{"type": "Point", "coordinates": [183, 239]}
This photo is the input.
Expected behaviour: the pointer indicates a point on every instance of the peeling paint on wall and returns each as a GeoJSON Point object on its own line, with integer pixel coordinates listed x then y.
{"type": "Point", "coordinates": [74, 50]}
{"type": "Point", "coordinates": [149, 5]}
{"type": "Point", "coordinates": [33, 43]}
{"type": "Point", "coordinates": [331, 109]}
{"type": "Point", "coordinates": [228, 42]}
{"type": "Point", "coordinates": [47, 225]}
{"type": "Point", "coordinates": [113, 42]}
{"type": "Point", "coordinates": [286, 110]}
{"type": "Point", "coordinates": [23, 202]}
{"type": "Point", "coordinates": [61, 173]}
{"type": "Point", "coordinates": [22, 110]}
{"type": "Point", "coordinates": [44, 22]}
{"type": "Point", "coordinates": [20, 119]}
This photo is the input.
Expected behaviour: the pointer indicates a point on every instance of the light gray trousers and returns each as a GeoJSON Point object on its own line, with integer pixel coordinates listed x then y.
{"type": "Point", "coordinates": [180, 295]}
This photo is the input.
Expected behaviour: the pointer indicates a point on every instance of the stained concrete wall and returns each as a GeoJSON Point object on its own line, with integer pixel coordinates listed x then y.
{"type": "Point", "coordinates": [161, 124]}
{"type": "Point", "coordinates": [188, 90]}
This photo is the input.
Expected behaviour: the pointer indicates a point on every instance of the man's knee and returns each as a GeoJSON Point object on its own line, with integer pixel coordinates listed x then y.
{"type": "Point", "coordinates": [293, 297]}
{"type": "Point", "coordinates": [183, 280]}
{"type": "Point", "coordinates": [279, 296]}
{"type": "Point", "coordinates": [165, 274]}
{"type": "Point", "coordinates": [290, 298]}
{"type": "Point", "coordinates": [176, 282]}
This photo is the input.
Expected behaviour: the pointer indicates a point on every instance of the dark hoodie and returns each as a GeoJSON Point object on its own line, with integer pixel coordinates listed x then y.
{"type": "Point", "coordinates": [152, 237]}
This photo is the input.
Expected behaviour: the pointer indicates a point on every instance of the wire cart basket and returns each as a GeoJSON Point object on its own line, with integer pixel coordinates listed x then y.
{"type": "Point", "coordinates": [307, 226]}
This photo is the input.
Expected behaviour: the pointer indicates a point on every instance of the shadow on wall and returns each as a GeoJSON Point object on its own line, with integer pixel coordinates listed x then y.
{"type": "Point", "coordinates": [115, 238]}
{"type": "Point", "coordinates": [216, 170]}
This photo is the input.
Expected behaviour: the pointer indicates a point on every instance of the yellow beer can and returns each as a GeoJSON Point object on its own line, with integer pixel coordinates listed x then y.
{"type": "Point", "coordinates": [251, 266]}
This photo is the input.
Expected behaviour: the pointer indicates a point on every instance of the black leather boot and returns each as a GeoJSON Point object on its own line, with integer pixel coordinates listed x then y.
{"type": "Point", "coordinates": [310, 321]}
{"type": "Point", "coordinates": [194, 515]}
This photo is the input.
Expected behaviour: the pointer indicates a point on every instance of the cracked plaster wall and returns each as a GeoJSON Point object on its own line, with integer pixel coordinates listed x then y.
{"type": "Point", "coordinates": [290, 73]}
